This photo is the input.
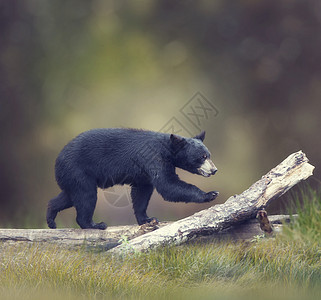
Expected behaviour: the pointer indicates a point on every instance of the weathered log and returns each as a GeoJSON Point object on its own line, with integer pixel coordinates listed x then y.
{"type": "Point", "coordinates": [115, 235]}
{"type": "Point", "coordinates": [107, 239]}
{"type": "Point", "coordinates": [235, 210]}
{"type": "Point", "coordinates": [248, 230]}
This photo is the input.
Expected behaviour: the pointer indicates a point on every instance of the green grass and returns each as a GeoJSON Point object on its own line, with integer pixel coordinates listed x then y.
{"type": "Point", "coordinates": [307, 227]}
{"type": "Point", "coordinates": [286, 267]}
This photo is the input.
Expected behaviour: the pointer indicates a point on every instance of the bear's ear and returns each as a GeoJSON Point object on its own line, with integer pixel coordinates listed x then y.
{"type": "Point", "coordinates": [177, 140]}
{"type": "Point", "coordinates": [200, 136]}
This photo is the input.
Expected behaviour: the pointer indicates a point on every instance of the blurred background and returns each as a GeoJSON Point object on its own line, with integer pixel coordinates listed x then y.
{"type": "Point", "coordinates": [248, 72]}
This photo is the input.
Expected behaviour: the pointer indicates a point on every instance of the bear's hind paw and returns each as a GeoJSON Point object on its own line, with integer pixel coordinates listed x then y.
{"type": "Point", "coordinates": [52, 224]}
{"type": "Point", "coordinates": [101, 226]}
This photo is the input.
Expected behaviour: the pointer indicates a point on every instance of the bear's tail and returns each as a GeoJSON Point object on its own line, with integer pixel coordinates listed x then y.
{"type": "Point", "coordinates": [55, 205]}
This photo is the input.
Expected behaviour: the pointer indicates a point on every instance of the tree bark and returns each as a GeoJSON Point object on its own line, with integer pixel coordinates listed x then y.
{"type": "Point", "coordinates": [235, 210]}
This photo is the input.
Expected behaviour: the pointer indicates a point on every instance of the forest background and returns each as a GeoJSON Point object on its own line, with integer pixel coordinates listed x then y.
{"type": "Point", "coordinates": [247, 72]}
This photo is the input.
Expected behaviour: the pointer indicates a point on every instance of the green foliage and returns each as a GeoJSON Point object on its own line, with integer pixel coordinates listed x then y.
{"type": "Point", "coordinates": [285, 267]}
{"type": "Point", "coordinates": [307, 226]}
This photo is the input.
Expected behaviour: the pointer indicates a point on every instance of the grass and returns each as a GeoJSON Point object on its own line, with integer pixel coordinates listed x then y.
{"type": "Point", "coordinates": [307, 228]}
{"type": "Point", "coordinates": [285, 267]}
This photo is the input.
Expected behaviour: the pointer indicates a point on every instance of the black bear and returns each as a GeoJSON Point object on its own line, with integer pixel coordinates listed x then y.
{"type": "Point", "coordinates": [143, 159]}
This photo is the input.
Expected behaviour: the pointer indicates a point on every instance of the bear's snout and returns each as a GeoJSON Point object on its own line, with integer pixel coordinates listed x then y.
{"type": "Point", "coordinates": [214, 171]}
{"type": "Point", "coordinates": [207, 168]}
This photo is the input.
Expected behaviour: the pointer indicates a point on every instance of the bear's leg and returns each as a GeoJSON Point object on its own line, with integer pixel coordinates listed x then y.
{"type": "Point", "coordinates": [175, 190]}
{"type": "Point", "coordinates": [85, 203]}
{"type": "Point", "coordinates": [140, 197]}
{"type": "Point", "coordinates": [55, 205]}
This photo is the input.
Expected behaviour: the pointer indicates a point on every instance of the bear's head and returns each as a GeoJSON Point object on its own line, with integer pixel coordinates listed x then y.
{"type": "Point", "coordinates": [191, 154]}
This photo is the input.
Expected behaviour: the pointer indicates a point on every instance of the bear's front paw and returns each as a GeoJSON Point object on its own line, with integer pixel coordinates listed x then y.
{"type": "Point", "coordinates": [210, 196]}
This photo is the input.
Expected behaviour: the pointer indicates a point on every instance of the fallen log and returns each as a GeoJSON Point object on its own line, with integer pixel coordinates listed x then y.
{"type": "Point", "coordinates": [235, 210]}
{"type": "Point", "coordinates": [74, 238]}
{"type": "Point", "coordinates": [116, 235]}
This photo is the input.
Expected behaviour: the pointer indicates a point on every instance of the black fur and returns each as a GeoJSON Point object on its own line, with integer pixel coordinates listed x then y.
{"type": "Point", "coordinates": [143, 159]}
